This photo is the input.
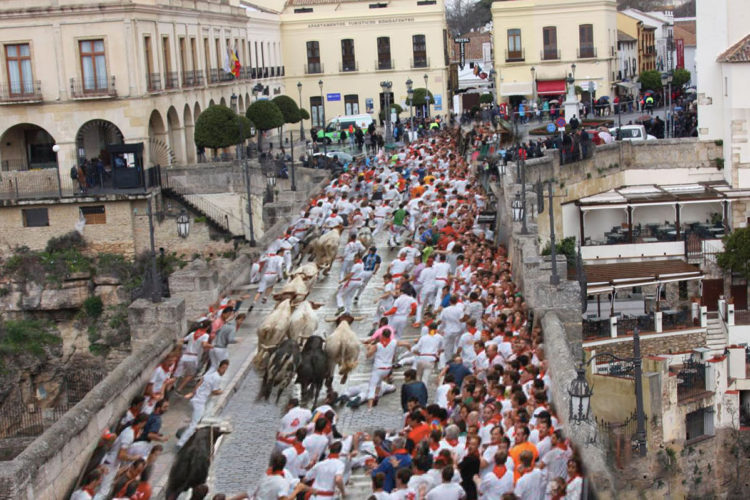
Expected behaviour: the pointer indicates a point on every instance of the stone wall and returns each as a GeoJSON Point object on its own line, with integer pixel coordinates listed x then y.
{"type": "Point", "coordinates": [653, 344]}
{"type": "Point", "coordinates": [49, 467]}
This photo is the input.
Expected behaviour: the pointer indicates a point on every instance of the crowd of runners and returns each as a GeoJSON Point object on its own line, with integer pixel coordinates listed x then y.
{"type": "Point", "coordinates": [477, 419]}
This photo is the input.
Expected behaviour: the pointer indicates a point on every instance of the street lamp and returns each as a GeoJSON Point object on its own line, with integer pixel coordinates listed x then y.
{"type": "Point", "coordinates": [183, 225]}
{"type": "Point", "coordinates": [386, 86]}
{"type": "Point", "coordinates": [517, 208]}
{"type": "Point", "coordinates": [301, 122]}
{"type": "Point", "coordinates": [323, 124]}
{"type": "Point", "coordinates": [257, 89]}
{"type": "Point", "coordinates": [554, 279]}
{"type": "Point", "coordinates": [410, 93]}
{"type": "Point", "coordinates": [533, 84]}
{"type": "Point", "coordinates": [573, 67]}
{"type": "Point", "coordinates": [427, 94]}
{"type": "Point", "coordinates": [580, 392]}
{"type": "Point", "coordinates": [240, 141]}
{"type": "Point", "coordinates": [270, 183]}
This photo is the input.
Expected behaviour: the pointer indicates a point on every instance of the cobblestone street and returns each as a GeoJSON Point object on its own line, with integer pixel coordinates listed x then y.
{"type": "Point", "coordinates": [243, 455]}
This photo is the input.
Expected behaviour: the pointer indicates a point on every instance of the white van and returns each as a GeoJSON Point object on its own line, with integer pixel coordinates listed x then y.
{"type": "Point", "coordinates": [340, 123]}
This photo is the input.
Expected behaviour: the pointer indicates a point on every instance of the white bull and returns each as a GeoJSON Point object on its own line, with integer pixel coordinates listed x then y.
{"type": "Point", "coordinates": [342, 347]}
{"type": "Point", "coordinates": [364, 235]}
{"type": "Point", "coordinates": [325, 249]}
{"type": "Point", "coordinates": [272, 331]}
{"type": "Point", "coordinates": [304, 321]}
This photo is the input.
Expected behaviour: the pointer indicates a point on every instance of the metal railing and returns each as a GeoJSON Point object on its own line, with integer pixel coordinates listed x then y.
{"type": "Point", "coordinates": [691, 379]}
{"type": "Point", "coordinates": [192, 78]}
{"type": "Point", "coordinates": [348, 66]}
{"type": "Point", "coordinates": [273, 71]}
{"type": "Point", "coordinates": [586, 52]}
{"type": "Point", "coordinates": [22, 164]}
{"type": "Point", "coordinates": [313, 68]}
{"type": "Point", "coordinates": [25, 91]}
{"type": "Point", "coordinates": [385, 64]}
{"type": "Point", "coordinates": [217, 215]}
{"type": "Point", "coordinates": [265, 72]}
{"type": "Point", "coordinates": [281, 71]}
{"type": "Point", "coordinates": [617, 439]}
{"type": "Point", "coordinates": [153, 82]}
{"type": "Point", "coordinates": [419, 63]}
{"type": "Point", "coordinates": [549, 54]}
{"type": "Point", "coordinates": [516, 55]}
{"type": "Point", "coordinates": [85, 88]}
{"type": "Point", "coordinates": [171, 80]}
{"type": "Point", "coordinates": [213, 75]}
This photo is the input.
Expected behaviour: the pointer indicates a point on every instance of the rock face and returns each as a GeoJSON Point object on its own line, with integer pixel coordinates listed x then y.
{"type": "Point", "coordinates": [70, 294]}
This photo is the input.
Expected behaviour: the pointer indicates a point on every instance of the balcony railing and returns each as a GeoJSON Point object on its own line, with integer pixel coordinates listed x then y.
{"type": "Point", "coordinates": [586, 52]}
{"type": "Point", "coordinates": [348, 66]}
{"type": "Point", "coordinates": [313, 68]}
{"type": "Point", "coordinates": [550, 54]}
{"type": "Point", "coordinates": [253, 73]}
{"type": "Point", "coordinates": [213, 75]}
{"type": "Point", "coordinates": [90, 88]}
{"type": "Point", "coordinates": [26, 91]}
{"type": "Point", "coordinates": [265, 72]}
{"type": "Point", "coordinates": [192, 78]}
{"type": "Point", "coordinates": [385, 64]}
{"type": "Point", "coordinates": [171, 80]}
{"type": "Point", "coordinates": [515, 55]}
{"type": "Point", "coordinates": [153, 82]}
{"type": "Point", "coordinates": [419, 63]}
{"type": "Point", "coordinates": [279, 70]}
{"type": "Point", "coordinates": [273, 71]}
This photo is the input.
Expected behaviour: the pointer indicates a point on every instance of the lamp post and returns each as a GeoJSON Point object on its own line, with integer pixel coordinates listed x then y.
{"type": "Point", "coordinates": [323, 124]}
{"type": "Point", "coordinates": [249, 203]}
{"type": "Point", "coordinates": [233, 106]}
{"type": "Point", "coordinates": [573, 67]}
{"type": "Point", "coordinates": [517, 208]}
{"type": "Point", "coordinates": [301, 121]}
{"type": "Point", "coordinates": [410, 93]}
{"type": "Point", "coordinates": [533, 84]}
{"type": "Point", "coordinates": [554, 279]}
{"type": "Point", "coordinates": [270, 184]}
{"type": "Point", "coordinates": [183, 224]}
{"type": "Point", "coordinates": [153, 285]}
{"type": "Point", "coordinates": [522, 160]}
{"type": "Point", "coordinates": [669, 101]}
{"type": "Point", "coordinates": [580, 392]}
{"type": "Point", "coordinates": [427, 94]}
{"type": "Point", "coordinates": [386, 86]}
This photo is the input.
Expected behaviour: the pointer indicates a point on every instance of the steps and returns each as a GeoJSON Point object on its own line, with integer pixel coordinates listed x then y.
{"type": "Point", "coordinates": [216, 217]}
{"type": "Point", "coordinates": [716, 338]}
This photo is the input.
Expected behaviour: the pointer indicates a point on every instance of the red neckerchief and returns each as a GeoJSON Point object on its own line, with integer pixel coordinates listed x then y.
{"type": "Point", "coordinates": [384, 341]}
{"type": "Point", "coordinates": [434, 446]}
{"type": "Point", "coordinates": [400, 451]}
{"type": "Point", "coordinates": [499, 471]}
{"type": "Point", "coordinates": [199, 333]}
{"type": "Point", "coordinates": [472, 330]}
{"type": "Point", "coordinates": [298, 447]}
{"type": "Point", "coordinates": [88, 490]}
{"type": "Point", "coordinates": [333, 455]}
{"type": "Point", "coordinates": [270, 472]}
{"type": "Point", "coordinates": [381, 452]}
{"type": "Point", "coordinates": [452, 442]}
{"type": "Point", "coordinates": [573, 478]}
{"type": "Point", "coordinates": [562, 446]}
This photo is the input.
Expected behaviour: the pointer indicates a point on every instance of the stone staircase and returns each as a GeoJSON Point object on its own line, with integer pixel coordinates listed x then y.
{"type": "Point", "coordinates": [716, 338]}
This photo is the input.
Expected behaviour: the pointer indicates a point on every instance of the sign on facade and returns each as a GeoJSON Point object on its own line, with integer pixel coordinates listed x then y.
{"type": "Point", "coordinates": [333, 97]}
{"type": "Point", "coordinates": [438, 106]}
{"type": "Point", "coordinates": [369, 106]}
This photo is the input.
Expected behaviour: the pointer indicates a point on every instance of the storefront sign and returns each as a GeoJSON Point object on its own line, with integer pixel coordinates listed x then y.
{"type": "Point", "coordinates": [362, 22]}
{"type": "Point", "coordinates": [462, 50]}
{"type": "Point", "coordinates": [680, 46]}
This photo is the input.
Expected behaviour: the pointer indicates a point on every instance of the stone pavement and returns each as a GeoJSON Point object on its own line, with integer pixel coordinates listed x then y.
{"type": "Point", "coordinates": [243, 455]}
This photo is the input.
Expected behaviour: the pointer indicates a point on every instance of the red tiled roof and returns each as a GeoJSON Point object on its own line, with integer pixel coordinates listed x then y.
{"type": "Point", "coordinates": [739, 52]}
{"type": "Point", "coordinates": [680, 33]}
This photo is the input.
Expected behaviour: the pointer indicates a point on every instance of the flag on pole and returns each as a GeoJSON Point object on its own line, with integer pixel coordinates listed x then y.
{"type": "Point", "coordinates": [227, 58]}
{"type": "Point", "coordinates": [235, 63]}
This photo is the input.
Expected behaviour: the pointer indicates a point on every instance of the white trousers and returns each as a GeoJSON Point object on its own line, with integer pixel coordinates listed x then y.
{"type": "Point", "coordinates": [346, 266]}
{"type": "Point", "coordinates": [449, 347]}
{"type": "Point", "coordinates": [426, 296]}
{"type": "Point", "coordinates": [216, 356]}
{"type": "Point", "coordinates": [198, 408]}
{"type": "Point", "coordinates": [266, 281]}
{"type": "Point", "coordinates": [376, 378]}
{"type": "Point", "coordinates": [425, 366]}
{"type": "Point", "coordinates": [346, 294]}
{"type": "Point", "coordinates": [379, 222]}
{"type": "Point", "coordinates": [398, 323]}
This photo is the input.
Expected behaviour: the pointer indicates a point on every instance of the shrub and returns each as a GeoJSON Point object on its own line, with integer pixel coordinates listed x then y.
{"type": "Point", "coordinates": [288, 108]}
{"type": "Point", "coordinates": [28, 336]}
{"type": "Point", "coordinates": [93, 307]}
{"type": "Point", "coordinates": [217, 127]}
{"type": "Point", "coordinates": [72, 239]}
{"type": "Point", "coordinates": [567, 247]}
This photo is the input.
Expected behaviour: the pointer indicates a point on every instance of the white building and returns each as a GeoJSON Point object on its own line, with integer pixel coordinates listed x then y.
{"type": "Point", "coordinates": [663, 22]}
{"type": "Point", "coordinates": [684, 38]}
{"type": "Point", "coordinates": [723, 61]}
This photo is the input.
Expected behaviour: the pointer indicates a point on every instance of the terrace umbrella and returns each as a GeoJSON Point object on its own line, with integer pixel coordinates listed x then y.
{"type": "Point", "coordinates": [554, 101]}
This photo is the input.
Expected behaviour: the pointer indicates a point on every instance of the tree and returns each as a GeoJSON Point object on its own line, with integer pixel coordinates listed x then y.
{"type": "Point", "coordinates": [419, 97]}
{"type": "Point", "coordinates": [217, 127]}
{"type": "Point", "coordinates": [642, 5]}
{"type": "Point", "coordinates": [650, 80]}
{"type": "Point", "coordinates": [680, 77]}
{"type": "Point", "coordinates": [486, 99]}
{"type": "Point", "coordinates": [303, 114]}
{"type": "Point", "coordinates": [246, 127]}
{"type": "Point", "coordinates": [685, 10]}
{"type": "Point", "coordinates": [396, 109]}
{"type": "Point", "coordinates": [736, 255]}
{"type": "Point", "coordinates": [466, 15]}
{"type": "Point", "coordinates": [266, 115]}
{"type": "Point", "coordinates": [288, 108]}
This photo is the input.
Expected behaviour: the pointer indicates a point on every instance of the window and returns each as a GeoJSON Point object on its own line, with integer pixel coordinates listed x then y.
{"type": "Point", "coordinates": [313, 57]}
{"type": "Point", "coordinates": [348, 62]}
{"type": "Point", "coordinates": [384, 52]}
{"type": "Point", "coordinates": [18, 61]}
{"type": "Point", "coordinates": [351, 104]}
{"type": "Point", "coordinates": [35, 217]}
{"type": "Point", "coordinates": [699, 423]}
{"type": "Point", "coordinates": [193, 54]}
{"type": "Point", "coordinates": [94, 214]}
{"type": "Point", "coordinates": [93, 65]}
{"type": "Point", "coordinates": [586, 40]}
{"type": "Point", "coordinates": [183, 55]}
{"type": "Point", "coordinates": [549, 35]}
{"type": "Point", "coordinates": [207, 54]}
{"type": "Point", "coordinates": [515, 52]}
{"type": "Point", "coordinates": [152, 78]}
{"type": "Point", "coordinates": [316, 111]}
{"type": "Point", "coordinates": [419, 49]}
{"type": "Point", "coordinates": [170, 80]}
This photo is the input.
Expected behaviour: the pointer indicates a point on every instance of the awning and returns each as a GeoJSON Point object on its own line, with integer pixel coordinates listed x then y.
{"type": "Point", "coordinates": [550, 87]}
{"type": "Point", "coordinates": [661, 194]}
{"type": "Point", "coordinates": [515, 88]}
{"type": "Point", "coordinates": [603, 278]}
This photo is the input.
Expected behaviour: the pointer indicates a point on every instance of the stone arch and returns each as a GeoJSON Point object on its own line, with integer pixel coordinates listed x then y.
{"type": "Point", "coordinates": [159, 151]}
{"type": "Point", "coordinates": [240, 105]}
{"type": "Point", "coordinates": [189, 126]}
{"type": "Point", "coordinates": [94, 136]}
{"type": "Point", "coordinates": [25, 146]}
{"type": "Point", "coordinates": [211, 103]}
{"type": "Point", "coordinates": [196, 111]}
{"type": "Point", "coordinates": [176, 135]}
{"type": "Point", "coordinates": [247, 102]}
{"type": "Point", "coordinates": [223, 102]}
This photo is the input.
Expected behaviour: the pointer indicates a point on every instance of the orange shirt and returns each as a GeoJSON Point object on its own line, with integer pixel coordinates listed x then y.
{"type": "Point", "coordinates": [418, 433]}
{"type": "Point", "coordinates": [515, 453]}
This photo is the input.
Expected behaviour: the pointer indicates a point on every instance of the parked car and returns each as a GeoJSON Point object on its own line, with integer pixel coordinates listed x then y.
{"type": "Point", "coordinates": [347, 123]}
{"type": "Point", "coordinates": [631, 133]}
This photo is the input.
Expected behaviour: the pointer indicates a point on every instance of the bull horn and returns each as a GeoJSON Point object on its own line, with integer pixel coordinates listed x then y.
{"type": "Point", "coordinates": [316, 305]}
{"type": "Point", "coordinates": [330, 320]}
{"type": "Point", "coordinates": [357, 318]}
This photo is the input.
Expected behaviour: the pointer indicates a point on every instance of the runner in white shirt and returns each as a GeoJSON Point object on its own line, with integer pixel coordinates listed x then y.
{"type": "Point", "coordinates": [403, 307]}
{"type": "Point", "coordinates": [350, 252]}
{"type": "Point", "coordinates": [448, 490]}
{"type": "Point", "coordinates": [498, 481]}
{"type": "Point", "coordinates": [295, 417]}
{"type": "Point", "coordinates": [277, 484]}
{"type": "Point", "coordinates": [427, 350]}
{"type": "Point", "coordinates": [317, 442]}
{"type": "Point", "coordinates": [398, 267]}
{"type": "Point", "coordinates": [382, 353]}
{"type": "Point", "coordinates": [195, 343]}
{"type": "Point", "coordinates": [297, 457]}
{"type": "Point", "coordinates": [271, 273]}
{"type": "Point", "coordinates": [332, 222]}
{"type": "Point", "coordinates": [327, 475]}
{"type": "Point", "coordinates": [450, 321]}
{"type": "Point", "coordinates": [532, 485]}
{"type": "Point", "coordinates": [209, 386]}
{"type": "Point", "coordinates": [442, 271]}
{"type": "Point", "coordinates": [429, 289]}
{"type": "Point", "coordinates": [349, 285]}
{"type": "Point", "coordinates": [316, 214]}
{"type": "Point", "coordinates": [380, 214]}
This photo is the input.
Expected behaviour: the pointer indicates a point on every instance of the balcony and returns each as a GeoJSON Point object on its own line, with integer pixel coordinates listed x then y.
{"type": "Point", "coordinates": [171, 81]}
{"type": "Point", "coordinates": [423, 62]}
{"type": "Point", "coordinates": [515, 55]}
{"type": "Point", "coordinates": [213, 75]}
{"type": "Point", "coordinates": [586, 52]}
{"type": "Point", "coordinates": [21, 92]}
{"type": "Point", "coordinates": [92, 88]}
{"type": "Point", "coordinates": [313, 68]}
{"type": "Point", "coordinates": [348, 66]}
{"type": "Point", "coordinates": [279, 70]}
{"type": "Point", "coordinates": [273, 71]}
{"type": "Point", "coordinates": [265, 72]}
{"type": "Point", "coordinates": [253, 73]}
{"type": "Point", "coordinates": [192, 78]}
{"type": "Point", "coordinates": [153, 82]}
{"type": "Point", "coordinates": [384, 64]}
{"type": "Point", "coordinates": [218, 75]}
{"type": "Point", "coordinates": [549, 55]}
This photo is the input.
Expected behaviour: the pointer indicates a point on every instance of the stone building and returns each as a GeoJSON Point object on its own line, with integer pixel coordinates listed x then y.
{"type": "Point", "coordinates": [663, 26]}
{"type": "Point", "coordinates": [352, 46]}
{"type": "Point", "coordinates": [646, 48]}
{"type": "Point", "coordinates": [85, 76]}
{"type": "Point", "coordinates": [536, 44]}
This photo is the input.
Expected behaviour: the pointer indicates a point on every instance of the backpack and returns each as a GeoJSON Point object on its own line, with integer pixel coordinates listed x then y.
{"type": "Point", "coordinates": [74, 173]}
